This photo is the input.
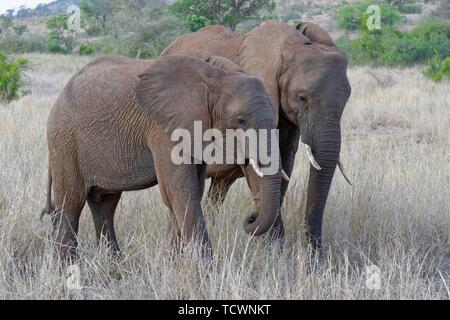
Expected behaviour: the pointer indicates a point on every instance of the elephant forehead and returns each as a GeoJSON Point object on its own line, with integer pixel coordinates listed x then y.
{"type": "Point", "coordinates": [316, 69]}
{"type": "Point", "coordinates": [243, 91]}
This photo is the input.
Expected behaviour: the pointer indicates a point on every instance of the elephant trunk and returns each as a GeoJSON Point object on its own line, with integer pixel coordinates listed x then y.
{"type": "Point", "coordinates": [260, 223]}
{"type": "Point", "coordinates": [326, 150]}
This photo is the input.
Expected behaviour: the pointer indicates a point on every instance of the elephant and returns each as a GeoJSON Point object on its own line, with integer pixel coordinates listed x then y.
{"type": "Point", "coordinates": [305, 76]}
{"type": "Point", "coordinates": [110, 132]}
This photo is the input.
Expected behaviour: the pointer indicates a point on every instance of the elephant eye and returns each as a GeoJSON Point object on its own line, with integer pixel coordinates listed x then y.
{"type": "Point", "coordinates": [241, 121]}
{"type": "Point", "coordinates": [302, 98]}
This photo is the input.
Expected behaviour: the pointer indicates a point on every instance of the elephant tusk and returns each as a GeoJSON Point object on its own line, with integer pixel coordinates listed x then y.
{"type": "Point", "coordinates": [256, 168]}
{"type": "Point", "coordinates": [284, 176]}
{"type": "Point", "coordinates": [342, 168]}
{"type": "Point", "coordinates": [311, 158]}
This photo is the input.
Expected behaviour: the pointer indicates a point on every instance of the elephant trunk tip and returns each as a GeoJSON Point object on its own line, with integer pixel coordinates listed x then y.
{"type": "Point", "coordinates": [253, 227]}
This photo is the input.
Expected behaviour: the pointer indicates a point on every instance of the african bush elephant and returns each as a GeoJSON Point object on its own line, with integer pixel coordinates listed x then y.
{"type": "Point", "coordinates": [110, 131]}
{"type": "Point", "coordinates": [305, 75]}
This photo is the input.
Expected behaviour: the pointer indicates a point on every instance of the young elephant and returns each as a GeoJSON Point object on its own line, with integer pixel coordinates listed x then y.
{"type": "Point", "coordinates": [110, 132]}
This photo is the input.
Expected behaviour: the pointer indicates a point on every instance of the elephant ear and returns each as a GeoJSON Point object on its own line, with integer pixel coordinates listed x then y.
{"type": "Point", "coordinates": [224, 64]}
{"type": "Point", "coordinates": [315, 33]}
{"type": "Point", "coordinates": [173, 92]}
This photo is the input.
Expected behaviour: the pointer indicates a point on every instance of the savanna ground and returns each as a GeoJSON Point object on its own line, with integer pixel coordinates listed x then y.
{"type": "Point", "coordinates": [396, 216]}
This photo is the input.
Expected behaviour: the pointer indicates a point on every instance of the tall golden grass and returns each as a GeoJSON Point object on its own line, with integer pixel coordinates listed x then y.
{"type": "Point", "coordinates": [396, 217]}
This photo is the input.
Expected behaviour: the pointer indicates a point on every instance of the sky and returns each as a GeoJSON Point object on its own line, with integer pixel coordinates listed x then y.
{"type": "Point", "coordinates": [14, 4]}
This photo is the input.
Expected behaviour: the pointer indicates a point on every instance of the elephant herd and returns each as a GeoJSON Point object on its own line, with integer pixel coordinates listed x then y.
{"type": "Point", "coordinates": [110, 129]}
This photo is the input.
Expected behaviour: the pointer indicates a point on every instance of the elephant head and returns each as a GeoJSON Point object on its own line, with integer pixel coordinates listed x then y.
{"type": "Point", "coordinates": [175, 91]}
{"type": "Point", "coordinates": [314, 91]}
{"type": "Point", "coordinates": [305, 74]}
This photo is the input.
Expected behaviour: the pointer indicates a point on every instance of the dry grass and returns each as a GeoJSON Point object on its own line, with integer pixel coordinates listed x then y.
{"type": "Point", "coordinates": [396, 216]}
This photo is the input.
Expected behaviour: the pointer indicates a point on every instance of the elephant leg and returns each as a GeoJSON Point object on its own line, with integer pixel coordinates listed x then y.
{"type": "Point", "coordinates": [174, 228]}
{"type": "Point", "coordinates": [220, 185]}
{"type": "Point", "coordinates": [70, 199]}
{"type": "Point", "coordinates": [181, 188]}
{"type": "Point", "coordinates": [103, 208]}
{"type": "Point", "coordinates": [174, 232]}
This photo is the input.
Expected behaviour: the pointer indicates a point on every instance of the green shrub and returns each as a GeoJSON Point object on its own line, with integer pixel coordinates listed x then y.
{"type": "Point", "coordinates": [389, 46]}
{"type": "Point", "coordinates": [10, 77]}
{"type": "Point", "coordinates": [20, 29]}
{"type": "Point", "coordinates": [437, 68]}
{"type": "Point", "coordinates": [86, 50]}
{"type": "Point", "coordinates": [55, 47]}
{"type": "Point", "coordinates": [350, 16]}
{"type": "Point", "coordinates": [433, 36]}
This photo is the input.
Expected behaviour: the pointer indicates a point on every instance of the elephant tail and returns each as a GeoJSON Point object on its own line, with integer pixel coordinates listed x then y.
{"type": "Point", "coordinates": [49, 207]}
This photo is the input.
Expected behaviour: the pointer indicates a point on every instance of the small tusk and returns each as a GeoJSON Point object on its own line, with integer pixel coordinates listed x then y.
{"type": "Point", "coordinates": [256, 168]}
{"type": "Point", "coordinates": [311, 158]}
{"type": "Point", "coordinates": [342, 168]}
{"type": "Point", "coordinates": [284, 176]}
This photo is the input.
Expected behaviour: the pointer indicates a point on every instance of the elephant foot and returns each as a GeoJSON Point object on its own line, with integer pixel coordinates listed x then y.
{"type": "Point", "coordinates": [206, 246]}
{"type": "Point", "coordinates": [314, 241]}
{"type": "Point", "coordinates": [68, 254]}
{"type": "Point", "coordinates": [207, 251]}
{"type": "Point", "coordinates": [66, 246]}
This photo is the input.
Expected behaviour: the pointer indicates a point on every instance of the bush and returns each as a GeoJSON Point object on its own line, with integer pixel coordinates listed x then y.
{"type": "Point", "coordinates": [10, 77]}
{"type": "Point", "coordinates": [437, 69]}
{"type": "Point", "coordinates": [433, 36]}
{"type": "Point", "coordinates": [389, 46]}
{"type": "Point", "coordinates": [13, 43]}
{"type": "Point", "coordinates": [55, 47]}
{"type": "Point", "coordinates": [350, 16]}
{"type": "Point", "coordinates": [20, 29]}
{"type": "Point", "coordinates": [86, 50]}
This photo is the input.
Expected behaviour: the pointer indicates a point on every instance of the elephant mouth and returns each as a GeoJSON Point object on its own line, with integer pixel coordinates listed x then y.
{"type": "Point", "coordinates": [259, 170]}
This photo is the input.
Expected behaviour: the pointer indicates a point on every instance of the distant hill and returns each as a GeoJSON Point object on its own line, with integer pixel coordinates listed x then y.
{"type": "Point", "coordinates": [42, 10]}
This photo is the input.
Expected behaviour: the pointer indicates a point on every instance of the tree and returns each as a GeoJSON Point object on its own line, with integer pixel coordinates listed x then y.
{"type": "Point", "coordinates": [97, 10]}
{"type": "Point", "coordinates": [199, 13]}
{"type": "Point", "coordinates": [5, 23]}
{"type": "Point", "coordinates": [42, 10]}
{"type": "Point", "coordinates": [20, 29]}
{"type": "Point", "coordinates": [10, 13]}
{"type": "Point", "coordinates": [24, 13]}
{"type": "Point", "coordinates": [59, 38]}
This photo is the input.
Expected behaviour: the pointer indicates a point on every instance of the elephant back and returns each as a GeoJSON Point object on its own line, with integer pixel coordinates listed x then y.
{"type": "Point", "coordinates": [206, 43]}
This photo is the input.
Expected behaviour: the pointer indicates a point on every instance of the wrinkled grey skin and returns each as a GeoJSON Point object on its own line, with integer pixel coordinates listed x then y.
{"type": "Point", "coordinates": [109, 132]}
{"type": "Point", "coordinates": [305, 75]}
